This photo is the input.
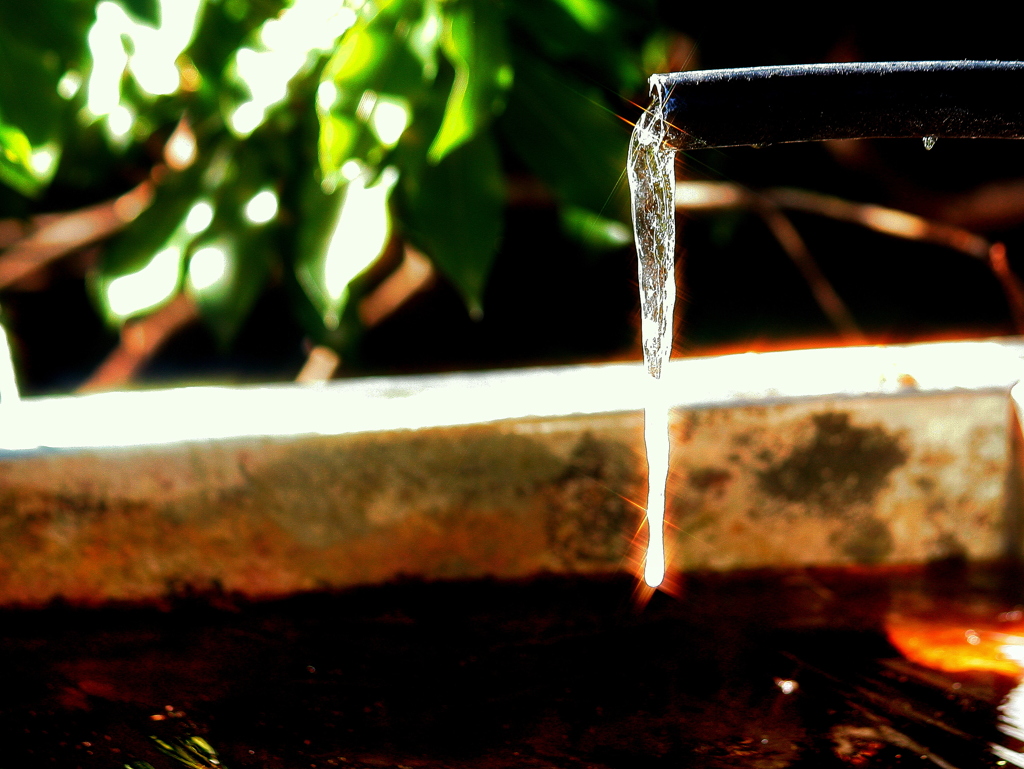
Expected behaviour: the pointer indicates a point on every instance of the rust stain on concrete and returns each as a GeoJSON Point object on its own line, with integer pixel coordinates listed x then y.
{"type": "Point", "coordinates": [265, 518]}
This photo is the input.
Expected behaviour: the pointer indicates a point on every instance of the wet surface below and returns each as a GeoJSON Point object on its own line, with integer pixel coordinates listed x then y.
{"type": "Point", "coordinates": [762, 670]}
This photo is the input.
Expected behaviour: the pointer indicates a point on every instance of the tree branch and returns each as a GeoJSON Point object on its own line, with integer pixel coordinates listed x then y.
{"type": "Point", "coordinates": [140, 340]}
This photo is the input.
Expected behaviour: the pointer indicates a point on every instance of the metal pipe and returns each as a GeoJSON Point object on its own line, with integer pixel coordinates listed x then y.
{"type": "Point", "coordinates": [812, 102]}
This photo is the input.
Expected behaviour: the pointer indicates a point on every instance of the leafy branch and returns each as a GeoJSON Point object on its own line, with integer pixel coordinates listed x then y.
{"type": "Point", "coordinates": [290, 142]}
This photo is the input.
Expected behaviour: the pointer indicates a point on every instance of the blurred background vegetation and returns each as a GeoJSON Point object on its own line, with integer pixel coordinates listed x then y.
{"type": "Point", "coordinates": [214, 189]}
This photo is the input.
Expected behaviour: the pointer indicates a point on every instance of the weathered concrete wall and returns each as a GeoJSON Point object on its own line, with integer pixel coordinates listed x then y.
{"type": "Point", "coordinates": [899, 476]}
{"type": "Point", "coordinates": [858, 481]}
{"type": "Point", "coordinates": [271, 517]}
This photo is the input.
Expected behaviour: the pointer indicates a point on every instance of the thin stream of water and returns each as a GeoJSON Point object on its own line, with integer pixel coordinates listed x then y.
{"type": "Point", "coordinates": [651, 172]}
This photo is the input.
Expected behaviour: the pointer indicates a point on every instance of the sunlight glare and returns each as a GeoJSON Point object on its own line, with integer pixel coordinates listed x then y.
{"type": "Point", "coordinates": [326, 95]}
{"type": "Point", "coordinates": [288, 45]}
{"type": "Point", "coordinates": [247, 117]}
{"type": "Point", "coordinates": [153, 62]}
{"type": "Point", "coordinates": [109, 58]}
{"type": "Point", "coordinates": [544, 396]}
{"type": "Point", "coordinates": [69, 84]}
{"type": "Point", "coordinates": [360, 232]}
{"type": "Point", "coordinates": [199, 217]}
{"type": "Point", "coordinates": [262, 207]}
{"type": "Point", "coordinates": [120, 121]}
{"type": "Point", "coordinates": [181, 149]}
{"type": "Point", "coordinates": [389, 119]}
{"type": "Point", "coordinates": [208, 267]}
{"type": "Point", "coordinates": [137, 291]}
{"type": "Point", "coordinates": [44, 160]}
{"type": "Point", "coordinates": [351, 170]}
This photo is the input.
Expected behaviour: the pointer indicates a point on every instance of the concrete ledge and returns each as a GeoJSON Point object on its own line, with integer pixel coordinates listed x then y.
{"type": "Point", "coordinates": [858, 455]}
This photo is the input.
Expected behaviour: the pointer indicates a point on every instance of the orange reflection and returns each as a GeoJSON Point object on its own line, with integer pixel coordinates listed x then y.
{"type": "Point", "coordinates": [995, 647]}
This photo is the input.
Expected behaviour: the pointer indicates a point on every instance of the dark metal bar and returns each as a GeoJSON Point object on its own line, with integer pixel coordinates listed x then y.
{"type": "Point", "coordinates": [769, 105]}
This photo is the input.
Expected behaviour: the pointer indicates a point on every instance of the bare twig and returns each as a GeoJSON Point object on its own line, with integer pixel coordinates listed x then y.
{"type": "Point", "coordinates": [319, 366]}
{"type": "Point", "coordinates": [412, 275]}
{"type": "Point", "coordinates": [888, 221]}
{"type": "Point", "coordinates": [704, 196]}
{"type": "Point", "coordinates": [1012, 286]}
{"type": "Point", "coordinates": [824, 294]}
{"type": "Point", "coordinates": [61, 234]}
{"type": "Point", "coordinates": [140, 340]}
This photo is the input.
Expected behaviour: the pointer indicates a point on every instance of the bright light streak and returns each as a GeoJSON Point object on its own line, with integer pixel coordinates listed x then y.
{"type": "Point", "coordinates": [131, 294]}
{"type": "Point", "coordinates": [389, 119]}
{"type": "Point", "coordinates": [656, 439]}
{"type": "Point", "coordinates": [544, 396]}
{"type": "Point", "coordinates": [208, 267]}
{"type": "Point", "coordinates": [199, 217]}
{"type": "Point", "coordinates": [360, 232]}
{"type": "Point", "coordinates": [9, 394]}
{"type": "Point", "coordinates": [109, 58]}
{"type": "Point", "coordinates": [262, 207]}
{"type": "Point", "coordinates": [355, 406]}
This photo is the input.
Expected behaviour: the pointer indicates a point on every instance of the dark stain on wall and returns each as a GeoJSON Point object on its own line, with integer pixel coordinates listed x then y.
{"type": "Point", "coordinates": [841, 465]}
{"type": "Point", "coordinates": [587, 509]}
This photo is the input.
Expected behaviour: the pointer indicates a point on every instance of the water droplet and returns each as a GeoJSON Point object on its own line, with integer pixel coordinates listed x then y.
{"type": "Point", "coordinates": [929, 141]}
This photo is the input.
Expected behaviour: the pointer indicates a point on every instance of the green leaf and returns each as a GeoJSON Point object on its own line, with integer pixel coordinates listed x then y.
{"type": "Point", "coordinates": [226, 275]}
{"type": "Point", "coordinates": [473, 40]}
{"type": "Point", "coordinates": [371, 71]}
{"type": "Point", "coordinates": [588, 32]}
{"type": "Point", "coordinates": [342, 234]}
{"type": "Point", "coordinates": [147, 11]}
{"type": "Point", "coordinates": [151, 250]}
{"type": "Point", "coordinates": [193, 752]}
{"type": "Point", "coordinates": [593, 230]}
{"type": "Point", "coordinates": [454, 214]}
{"type": "Point", "coordinates": [16, 161]}
{"type": "Point", "coordinates": [592, 15]}
{"type": "Point", "coordinates": [56, 29]}
{"type": "Point", "coordinates": [567, 136]}
{"type": "Point", "coordinates": [424, 37]}
{"type": "Point", "coordinates": [153, 227]}
{"type": "Point", "coordinates": [32, 114]}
